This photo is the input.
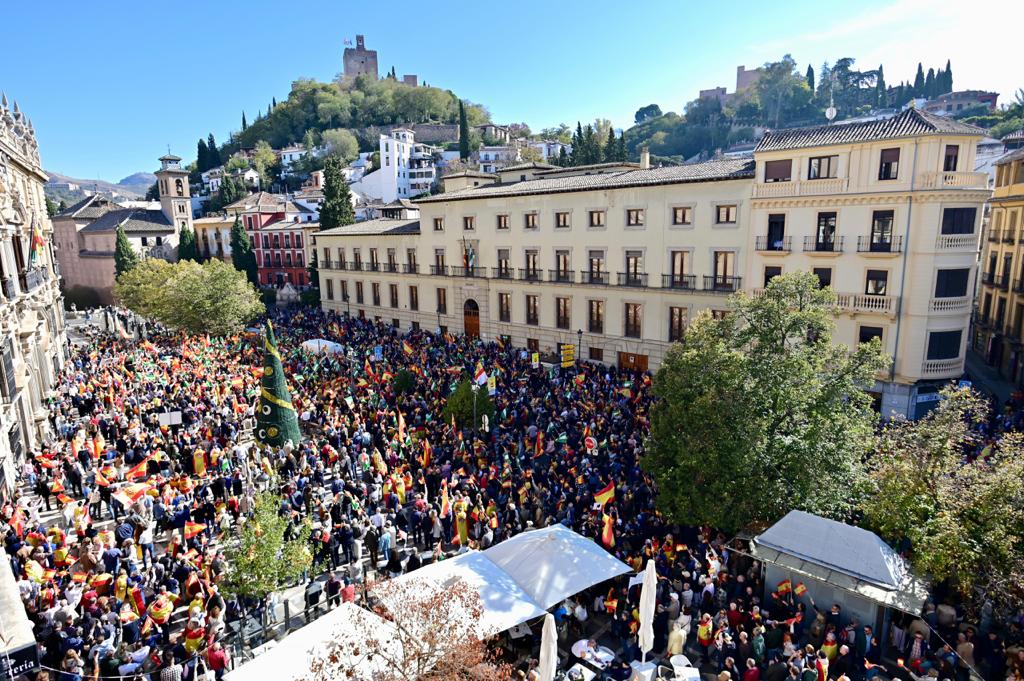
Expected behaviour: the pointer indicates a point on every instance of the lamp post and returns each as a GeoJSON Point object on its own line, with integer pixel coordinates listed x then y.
{"type": "Point", "coordinates": [475, 387]}
{"type": "Point", "coordinates": [579, 345]}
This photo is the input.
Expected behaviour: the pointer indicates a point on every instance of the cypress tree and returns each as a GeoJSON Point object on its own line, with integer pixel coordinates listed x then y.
{"type": "Point", "coordinates": [563, 158]}
{"type": "Point", "coordinates": [620, 152]}
{"type": "Point", "coordinates": [881, 95]}
{"type": "Point", "coordinates": [591, 146]}
{"type": "Point", "coordinates": [337, 206]}
{"type": "Point", "coordinates": [244, 124]}
{"type": "Point", "coordinates": [919, 81]}
{"type": "Point", "coordinates": [463, 132]}
{"type": "Point", "coordinates": [268, 111]}
{"type": "Point", "coordinates": [947, 79]}
{"type": "Point", "coordinates": [929, 84]}
{"type": "Point", "coordinates": [202, 156]}
{"type": "Point", "coordinates": [611, 147]}
{"type": "Point", "coordinates": [577, 146]}
{"type": "Point", "coordinates": [125, 258]}
{"type": "Point", "coordinates": [273, 102]}
{"type": "Point", "coordinates": [213, 154]}
{"type": "Point", "coordinates": [187, 247]}
{"type": "Point", "coordinates": [810, 77]}
{"type": "Point", "coordinates": [242, 256]}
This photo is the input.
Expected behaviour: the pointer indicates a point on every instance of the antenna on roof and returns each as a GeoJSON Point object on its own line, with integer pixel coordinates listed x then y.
{"type": "Point", "coordinates": [168, 149]}
{"type": "Point", "coordinates": [830, 112]}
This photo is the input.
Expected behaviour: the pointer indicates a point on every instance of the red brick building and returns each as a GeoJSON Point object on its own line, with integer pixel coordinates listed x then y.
{"type": "Point", "coordinates": [278, 228]}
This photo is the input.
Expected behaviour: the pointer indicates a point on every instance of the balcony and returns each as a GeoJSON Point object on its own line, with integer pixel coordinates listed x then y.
{"type": "Point", "coordinates": [867, 244]}
{"type": "Point", "coordinates": [1018, 286]}
{"type": "Point", "coordinates": [995, 235]}
{"type": "Point", "coordinates": [957, 242]}
{"type": "Point", "coordinates": [1009, 236]}
{"type": "Point", "coordinates": [952, 179]}
{"type": "Point", "coordinates": [562, 276]}
{"type": "Point", "coordinates": [354, 265]}
{"type": "Point", "coordinates": [828, 247]}
{"type": "Point", "coordinates": [830, 185]}
{"type": "Point", "coordinates": [863, 302]}
{"type": "Point", "coordinates": [531, 274]}
{"type": "Point", "coordinates": [943, 368]}
{"type": "Point", "coordinates": [469, 272]}
{"type": "Point", "coordinates": [778, 245]}
{"type": "Point", "coordinates": [592, 277]}
{"type": "Point", "coordinates": [32, 279]}
{"type": "Point", "coordinates": [502, 273]}
{"type": "Point", "coordinates": [411, 268]}
{"type": "Point", "coordinates": [326, 265]}
{"type": "Point", "coordinates": [391, 267]}
{"type": "Point", "coordinates": [957, 305]}
{"type": "Point", "coordinates": [721, 284]}
{"type": "Point", "coordinates": [439, 270]}
{"type": "Point", "coordinates": [679, 282]}
{"type": "Point", "coordinates": [341, 264]}
{"type": "Point", "coordinates": [373, 267]}
{"type": "Point", "coordinates": [10, 289]}
{"type": "Point", "coordinates": [636, 279]}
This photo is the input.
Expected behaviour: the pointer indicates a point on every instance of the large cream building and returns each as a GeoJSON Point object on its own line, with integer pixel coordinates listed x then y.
{"type": "Point", "coordinates": [32, 337]}
{"type": "Point", "coordinates": [617, 258]}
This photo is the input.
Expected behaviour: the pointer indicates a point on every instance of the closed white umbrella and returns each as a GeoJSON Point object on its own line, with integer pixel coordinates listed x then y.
{"type": "Point", "coordinates": [548, 650]}
{"type": "Point", "coordinates": [648, 595]}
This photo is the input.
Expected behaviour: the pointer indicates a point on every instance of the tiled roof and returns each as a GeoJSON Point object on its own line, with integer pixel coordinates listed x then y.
{"type": "Point", "coordinates": [89, 208]}
{"type": "Point", "coordinates": [1015, 155]}
{"type": "Point", "coordinates": [471, 173]}
{"type": "Point", "coordinates": [133, 220]}
{"type": "Point", "coordinates": [710, 171]}
{"type": "Point", "coordinates": [574, 170]}
{"type": "Point", "coordinates": [401, 203]}
{"type": "Point", "coordinates": [909, 123]}
{"type": "Point", "coordinates": [379, 227]}
{"type": "Point", "coordinates": [258, 200]}
{"type": "Point", "coordinates": [529, 165]}
{"type": "Point", "coordinates": [1013, 136]}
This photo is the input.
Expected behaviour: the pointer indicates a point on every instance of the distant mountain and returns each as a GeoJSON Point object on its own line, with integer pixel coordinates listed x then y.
{"type": "Point", "coordinates": [144, 180]}
{"type": "Point", "coordinates": [132, 187]}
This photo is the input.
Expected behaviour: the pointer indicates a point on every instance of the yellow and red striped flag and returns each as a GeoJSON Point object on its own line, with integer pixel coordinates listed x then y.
{"type": "Point", "coordinates": [605, 495]}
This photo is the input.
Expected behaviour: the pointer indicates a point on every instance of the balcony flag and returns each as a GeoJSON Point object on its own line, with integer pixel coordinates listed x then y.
{"type": "Point", "coordinates": [276, 422]}
{"type": "Point", "coordinates": [38, 243]}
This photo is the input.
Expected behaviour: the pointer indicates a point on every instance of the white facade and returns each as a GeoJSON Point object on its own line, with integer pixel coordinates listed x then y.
{"type": "Point", "coordinates": [406, 168]}
{"type": "Point", "coordinates": [549, 149]}
{"type": "Point", "coordinates": [493, 158]}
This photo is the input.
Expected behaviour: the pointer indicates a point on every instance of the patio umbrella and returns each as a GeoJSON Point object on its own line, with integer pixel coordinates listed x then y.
{"type": "Point", "coordinates": [548, 649]}
{"type": "Point", "coordinates": [648, 594]}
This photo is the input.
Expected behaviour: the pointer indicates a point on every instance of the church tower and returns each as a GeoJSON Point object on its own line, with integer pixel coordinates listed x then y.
{"type": "Point", "coordinates": [172, 183]}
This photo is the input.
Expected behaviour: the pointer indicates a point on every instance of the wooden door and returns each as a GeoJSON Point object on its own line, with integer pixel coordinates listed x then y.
{"type": "Point", "coordinates": [632, 361]}
{"type": "Point", "coordinates": [471, 319]}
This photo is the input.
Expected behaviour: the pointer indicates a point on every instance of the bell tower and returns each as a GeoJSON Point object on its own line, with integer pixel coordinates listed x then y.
{"type": "Point", "coordinates": [175, 202]}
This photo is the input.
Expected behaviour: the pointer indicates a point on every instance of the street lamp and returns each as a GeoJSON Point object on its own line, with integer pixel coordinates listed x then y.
{"type": "Point", "coordinates": [475, 387]}
{"type": "Point", "coordinates": [579, 345]}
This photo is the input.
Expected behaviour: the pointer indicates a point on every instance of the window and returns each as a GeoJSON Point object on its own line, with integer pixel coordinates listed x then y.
{"type": "Point", "coordinates": [145, 241]}
{"type": "Point", "coordinates": [681, 215]}
{"type": "Point", "coordinates": [595, 316]}
{"type": "Point", "coordinates": [266, 241]}
{"type": "Point", "coordinates": [596, 262]}
{"type": "Point", "coordinates": [532, 271]}
{"type": "Point", "coordinates": [635, 217]}
{"type": "Point", "coordinates": [634, 320]}
{"type": "Point", "coordinates": [866, 333]}
{"type": "Point", "coordinates": [392, 260]}
{"type": "Point", "coordinates": [410, 259]}
{"type": "Point", "coordinates": [438, 224]}
{"type": "Point", "coordinates": [723, 264]}
{"type": "Point", "coordinates": [298, 241]}
{"type": "Point", "coordinates": [357, 259]}
{"type": "Point", "coordinates": [530, 220]}
{"type": "Point", "coordinates": [374, 261]}
{"type": "Point", "coordinates": [179, 187]}
{"type": "Point", "coordinates": [824, 275]}
{"type": "Point", "coordinates": [881, 230]}
{"type": "Point", "coordinates": [375, 290]}
{"type": "Point", "coordinates": [504, 271]}
{"type": "Point", "coordinates": [502, 222]}
{"type": "Point", "coordinates": [634, 263]}
{"type": "Point", "coordinates": [596, 218]}
{"type": "Point", "coordinates": [676, 323]}
{"type": "Point", "coordinates": [504, 307]}
{"type": "Point", "coordinates": [677, 268]}
{"type": "Point", "coordinates": [825, 238]}
{"type": "Point", "coordinates": [778, 171]}
{"type": "Point", "coordinates": [958, 220]}
{"type": "Point", "coordinates": [532, 315]}
{"type": "Point", "coordinates": [277, 241]}
{"type": "Point", "coordinates": [442, 300]}
{"type": "Point", "coordinates": [776, 240]}
{"type": "Point", "coordinates": [822, 167]}
{"type": "Point", "coordinates": [952, 283]}
{"type": "Point", "coordinates": [468, 223]}
{"type": "Point", "coordinates": [330, 289]}
{"type": "Point", "coordinates": [414, 298]}
{"type": "Point", "coordinates": [359, 292]}
{"type": "Point", "coordinates": [287, 240]}
{"type": "Point", "coordinates": [889, 165]}
{"type": "Point", "coordinates": [393, 295]}
{"type": "Point", "coordinates": [944, 344]}
{"type": "Point", "coordinates": [951, 157]}
{"type": "Point", "coordinates": [770, 272]}
{"type": "Point", "coordinates": [533, 345]}
{"type": "Point", "coordinates": [877, 282]}
{"type": "Point", "coordinates": [439, 259]}
{"type": "Point", "coordinates": [725, 214]}
{"type": "Point", "coordinates": [344, 291]}
{"type": "Point", "coordinates": [563, 313]}
{"type": "Point", "coordinates": [562, 265]}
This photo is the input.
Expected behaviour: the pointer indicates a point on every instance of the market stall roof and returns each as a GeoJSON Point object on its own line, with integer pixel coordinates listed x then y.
{"type": "Point", "coordinates": [323, 345]}
{"type": "Point", "coordinates": [348, 626]}
{"type": "Point", "coordinates": [553, 563]}
{"type": "Point", "coordinates": [845, 556]}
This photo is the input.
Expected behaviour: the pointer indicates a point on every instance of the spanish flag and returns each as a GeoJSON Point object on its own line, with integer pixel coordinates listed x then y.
{"type": "Point", "coordinates": [98, 444]}
{"type": "Point", "coordinates": [161, 608]}
{"type": "Point", "coordinates": [192, 529]}
{"type": "Point", "coordinates": [608, 531]}
{"type": "Point", "coordinates": [427, 452]}
{"type": "Point", "coordinates": [34, 571]}
{"type": "Point", "coordinates": [785, 586]}
{"type": "Point", "coordinates": [199, 462]}
{"type": "Point", "coordinates": [446, 506]}
{"type": "Point", "coordinates": [407, 349]}
{"type": "Point", "coordinates": [605, 495]}
{"type": "Point", "coordinates": [539, 445]}
{"type": "Point", "coordinates": [800, 589]}
{"type": "Point", "coordinates": [101, 480]}
{"type": "Point", "coordinates": [137, 471]}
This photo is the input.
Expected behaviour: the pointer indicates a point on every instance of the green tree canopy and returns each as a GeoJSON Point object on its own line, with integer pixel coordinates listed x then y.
{"type": "Point", "coordinates": [243, 258]}
{"type": "Point", "coordinates": [760, 412]}
{"type": "Point", "coordinates": [336, 209]}
{"type": "Point", "coordinates": [460, 405]}
{"type": "Point", "coordinates": [187, 247]}
{"type": "Point", "coordinates": [646, 112]}
{"type": "Point", "coordinates": [463, 132]}
{"type": "Point", "coordinates": [964, 520]}
{"type": "Point", "coordinates": [125, 257]}
{"type": "Point", "coordinates": [211, 298]}
{"type": "Point", "coordinates": [341, 143]}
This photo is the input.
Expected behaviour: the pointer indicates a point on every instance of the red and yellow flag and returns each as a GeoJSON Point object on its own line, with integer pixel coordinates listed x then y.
{"type": "Point", "coordinates": [407, 349]}
{"type": "Point", "coordinates": [608, 531]}
{"type": "Point", "coordinates": [605, 495]}
{"type": "Point", "coordinates": [800, 589]}
{"type": "Point", "coordinates": [192, 529]}
{"type": "Point", "coordinates": [785, 586]}
{"type": "Point", "coordinates": [199, 462]}
{"type": "Point", "coordinates": [446, 506]}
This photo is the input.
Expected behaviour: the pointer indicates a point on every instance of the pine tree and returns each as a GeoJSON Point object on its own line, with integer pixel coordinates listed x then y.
{"type": "Point", "coordinates": [929, 84]}
{"type": "Point", "coordinates": [393, 76]}
{"type": "Point", "coordinates": [268, 111]}
{"type": "Point", "coordinates": [336, 209]}
{"type": "Point", "coordinates": [577, 146]}
{"type": "Point", "coordinates": [919, 81]}
{"type": "Point", "coordinates": [213, 154]}
{"type": "Point", "coordinates": [620, 153]}
{"type": "Point", "coordinates": [810, 77]}
{"type": "Point", "coordinates": [947, 79]}
{"type": "Point", "coordinates": [125, 257]}
{"type": "Point", "coordinates": [563, 158]}
{"type": "Point", "coordinates": [591, 146]}
{"type": "Point", "coordinates": [187, 247]}
{"type": "Point", "coordinates": [881, 94]}
{"type": "Point", "coordinates": [202, 156]}
{"type": "Point", "coordinates": [611, 146]}
{"type": "Point", "coordinates": [244, 124]}
{"type": "Point", "coordinates": [273, 102]}
{"type": "Point", "coordinates": [463, 132]}
{"type": "Point", "coordinates": [242, 256]}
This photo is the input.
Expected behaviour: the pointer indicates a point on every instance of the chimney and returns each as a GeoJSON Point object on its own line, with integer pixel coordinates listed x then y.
{"type": "Point", "coordinates": [645, 157]}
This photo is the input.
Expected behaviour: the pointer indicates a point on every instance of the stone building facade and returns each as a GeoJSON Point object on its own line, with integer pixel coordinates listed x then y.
{"type": "Point", "coordinates": [33, 343]}
{"type": "Point", "coordinates": [359, 61]}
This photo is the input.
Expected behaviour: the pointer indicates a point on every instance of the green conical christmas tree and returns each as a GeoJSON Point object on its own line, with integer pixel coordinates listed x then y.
{"type": "Point", "coordinates": [277, 422]}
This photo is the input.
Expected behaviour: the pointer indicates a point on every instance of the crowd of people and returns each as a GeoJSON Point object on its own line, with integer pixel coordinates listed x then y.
{"type": "Point", "coordinates": [118, 550]}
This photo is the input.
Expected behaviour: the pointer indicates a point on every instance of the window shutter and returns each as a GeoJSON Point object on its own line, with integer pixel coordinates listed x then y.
{"type": "Point", "coordinates": [778, 171]}
{"type": "Point", "coordinates": [8, 368]}
{"type": "Point", "coordinates": [890, 155]}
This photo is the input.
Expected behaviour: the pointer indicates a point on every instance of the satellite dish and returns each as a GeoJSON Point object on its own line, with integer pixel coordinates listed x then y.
{"type": "Point", "coordinates": [830, 113]}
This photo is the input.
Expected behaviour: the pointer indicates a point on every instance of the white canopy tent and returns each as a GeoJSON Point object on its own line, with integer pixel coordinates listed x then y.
{"type": "Point", "coordinates": [323, 346]}
{"type": "Point", "coordinates": [553, 563]}
{"type": "Point", "coordinates": [348, 627]}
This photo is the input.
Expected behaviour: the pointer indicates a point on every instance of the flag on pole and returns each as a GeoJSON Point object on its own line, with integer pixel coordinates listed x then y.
{"type": "Point", "coordinates": [38, 243]}
{"type": "Point", "coordinates": [605, 495]}
{"type": "Point", "coordinates": [800, 589]}
{"type": "Point", "coordinates": [480, 376]}
{"type": "Point", "coordinates": [276, 422]}
{"type": "Point", "coordinates": [406, 348]}
{"type": "Point", "coordinates": [608, 532]}
{"type": "Point", "coordinates": [785, 586]}
{"type": "Point", "coordinates": [192, 529]}
{"type": "Point", "coordinates": [427, 452]}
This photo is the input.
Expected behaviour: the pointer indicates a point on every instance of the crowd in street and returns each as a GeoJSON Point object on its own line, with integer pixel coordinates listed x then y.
{"type": "Point", "coordinates": [118, 550]}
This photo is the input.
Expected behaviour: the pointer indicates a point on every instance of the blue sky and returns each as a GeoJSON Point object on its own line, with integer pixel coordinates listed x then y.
{"type": "Point", "coordinates": [110, 84]}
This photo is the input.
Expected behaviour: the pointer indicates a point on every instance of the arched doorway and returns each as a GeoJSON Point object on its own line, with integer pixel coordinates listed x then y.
{"type": "Point", "coordinates": [471, 318]}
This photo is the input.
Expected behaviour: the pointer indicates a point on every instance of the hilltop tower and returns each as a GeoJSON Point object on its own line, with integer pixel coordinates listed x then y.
{"type": "Point", "coordinates": [175, 202]}
{"type": "Point", "coordinates": [359, 60]}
